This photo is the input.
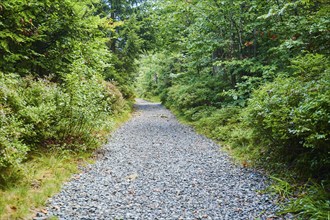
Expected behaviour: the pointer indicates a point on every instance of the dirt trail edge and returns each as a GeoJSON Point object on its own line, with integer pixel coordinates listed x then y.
{"type": "Point", "coordinates": [156, 168]}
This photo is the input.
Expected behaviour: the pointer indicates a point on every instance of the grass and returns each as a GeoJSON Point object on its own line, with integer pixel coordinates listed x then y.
{"type": "Point", "coordinates": [26, 189]}
{"type": "Point", "coordinates": [39, 178]}
{"type": "Point", "coordinates": [309, 200]}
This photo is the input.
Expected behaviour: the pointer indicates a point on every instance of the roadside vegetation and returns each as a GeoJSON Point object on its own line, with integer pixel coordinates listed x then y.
{"type": "Point", "coordinates": [65, 83]}
{"type": "Point", "coordinates": [254, 76]}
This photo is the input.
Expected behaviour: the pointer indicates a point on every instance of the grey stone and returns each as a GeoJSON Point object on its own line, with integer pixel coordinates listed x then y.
{"type": "Point", "coordinates": [154, 168]}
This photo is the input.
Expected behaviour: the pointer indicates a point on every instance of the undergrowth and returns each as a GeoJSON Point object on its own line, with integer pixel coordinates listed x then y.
{"type": "Point", "coordinates": [35, 181]}
{"type": "Point", "coordinates": [24, 189]}
{"type": "Point", "coordinates": [307, 201]}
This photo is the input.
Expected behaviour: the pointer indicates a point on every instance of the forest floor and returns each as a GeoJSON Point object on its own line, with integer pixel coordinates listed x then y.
{"type": "Point", "coordinates": [156, 168]}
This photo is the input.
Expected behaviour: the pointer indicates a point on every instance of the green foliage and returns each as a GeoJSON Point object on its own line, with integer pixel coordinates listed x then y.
{"type": "Point", "coordinates": [13, 151]}
{"type": "Point", "coordinates": [307, 201]}
{"type": "Point", "coordinates": [38, 113]}
{"type": "Point", "coordinates": [291, 114]}
{"type": "Point", "coordinates": [53, 57]}
{"type": "Point", "coordinates": [220, 123]}
{"type": "Point", "coordinates": [38, 110]}
{"type": "Point", "coordinates": [311, 203]}
{"type": "Point", "coordinates": [125, 43]}
{"type": "Point", "coordinates": [56, 38]}
{"type": "Point", "coordinates": [156, 73]}
{"type": "Point", "coordinates": [83, 112]}
{"type": "Point", "coordinates": [196, 95]}
{"type": "Point", "coordinates": [252, 74]}
{"type": "Point", "coordinates": [281, 187]}
{"type": "Point", "coordinates": [188, 97]}
{"type": "Point", "coordinates": [41, 36]}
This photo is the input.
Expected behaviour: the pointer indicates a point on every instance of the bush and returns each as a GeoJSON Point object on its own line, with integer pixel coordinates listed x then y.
{"type": "Point", "coordinates": [291, 115]}
{"type": "Point", "coordinates": [84, 106]}
{"type": "Point", "coordinates": [114, 98]}
{"type": "Point", "coordinates": [38, 113]}
{"type": "Point", "coordinates": [220, 123]}
{"type": "Point", "coordinates": [188, 98]}
{"type": "Point", "coordinates": [12, 149]}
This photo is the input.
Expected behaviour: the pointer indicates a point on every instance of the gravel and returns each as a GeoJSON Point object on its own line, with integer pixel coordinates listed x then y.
{"type": "Point", "coordinates": [156, 168]}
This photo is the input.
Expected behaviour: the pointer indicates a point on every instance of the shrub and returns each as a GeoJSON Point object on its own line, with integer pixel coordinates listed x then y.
{"type": "Point", "coordinates": [83, 109]}
{"type": "Point", "coordinates": [12, 149]}
{"type": "Point", "coordinates": [201, 93]}
{"type": "Point", "coordinates": [292, 115]}
{"type": "Point", "coordinates": [38, 113]}
{"type": "Point", "coordinates": [220, 123]}
{"type": "Point", "coordinates": [114, 98]}
{"type": "Point", "coordinates": [191, 96]}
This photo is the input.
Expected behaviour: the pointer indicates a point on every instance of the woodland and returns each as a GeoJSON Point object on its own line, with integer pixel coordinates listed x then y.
{"type": "Point", "coordinates": [252, 75]}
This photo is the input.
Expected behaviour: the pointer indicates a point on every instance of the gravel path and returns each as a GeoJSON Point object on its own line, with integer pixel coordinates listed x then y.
{"type": "Point", "coordinates": [155, 168]}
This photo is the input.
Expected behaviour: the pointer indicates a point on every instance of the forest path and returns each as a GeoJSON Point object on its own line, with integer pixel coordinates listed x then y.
{"type": "Point", "coordinates": [156, 168]}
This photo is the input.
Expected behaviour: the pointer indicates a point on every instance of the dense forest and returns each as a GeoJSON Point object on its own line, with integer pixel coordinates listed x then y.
{"type": "Point", "coordinates": [253, 75]}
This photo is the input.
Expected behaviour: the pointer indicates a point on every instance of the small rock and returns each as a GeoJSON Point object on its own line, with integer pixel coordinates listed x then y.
{"type": "Point", "coordinates": [132, 177]}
